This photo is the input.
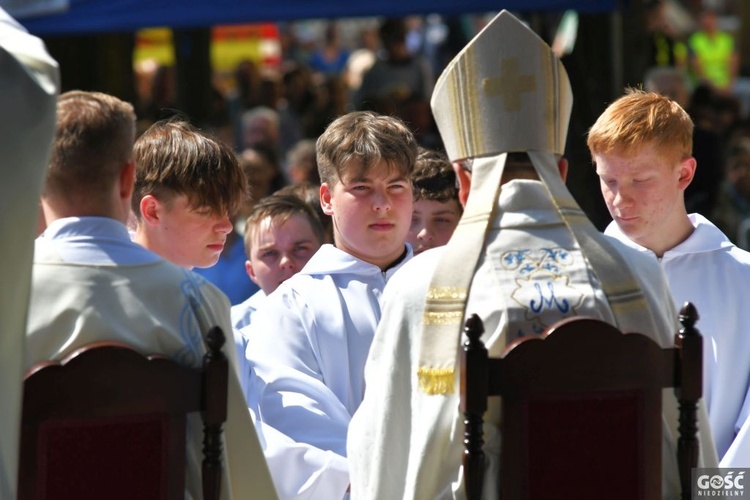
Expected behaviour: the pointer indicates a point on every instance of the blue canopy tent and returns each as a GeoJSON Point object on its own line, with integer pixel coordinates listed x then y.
{"type": "Point", "coordinates": [92, 16]}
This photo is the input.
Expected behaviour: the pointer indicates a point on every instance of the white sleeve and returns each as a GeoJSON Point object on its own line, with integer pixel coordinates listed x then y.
{"type": "Point", "coordinates": [301, 471]}
{"type": "Point", "coordinates": [738, 454]}
{"type": "Point", "coordinates": [304, 423]}
{"type": "Point", "coordinates": [243, 365]}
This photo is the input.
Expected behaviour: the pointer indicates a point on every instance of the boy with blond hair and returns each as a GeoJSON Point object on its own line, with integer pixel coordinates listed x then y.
{"type": "Point", "coordinates": [281, 234]}
{"type": "Point", "coordinates": [309, 342]}
{"type": "Point", "coordinates": [642, 148]}
{"type": "Point", "coordinates": [436, 207]}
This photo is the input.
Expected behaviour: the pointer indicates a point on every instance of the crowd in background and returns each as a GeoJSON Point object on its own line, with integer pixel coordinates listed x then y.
{"type": "Point", "coordinates": [272, 114]}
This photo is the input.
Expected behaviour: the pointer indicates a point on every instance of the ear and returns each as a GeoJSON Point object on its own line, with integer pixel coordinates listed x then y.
{"type": "Point", "coordinates": [127, 180]}
{"type": "Point", "coordinates": [325, 198]}
{"type": "Point", "coordinates": [151, 209]}
{"type": "Point", "coordinates": [687, 172]}
{"type": "Point", "coordinates": [562, 166]}
{"type": "Point", "coordinates": [464, 183]}
{"type": "Point", "coordinates": [251, 272]}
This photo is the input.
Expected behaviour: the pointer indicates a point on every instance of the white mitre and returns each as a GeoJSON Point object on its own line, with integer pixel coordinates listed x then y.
{"type": "Point", "coordinates": [504, 92]}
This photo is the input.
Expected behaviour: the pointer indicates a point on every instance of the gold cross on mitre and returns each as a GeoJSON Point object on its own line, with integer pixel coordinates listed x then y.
{"type": "Point", "coordinates": [509, 85]}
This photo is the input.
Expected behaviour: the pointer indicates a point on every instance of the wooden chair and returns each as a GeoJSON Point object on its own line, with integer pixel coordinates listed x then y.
{"type": "Point", "coordinates": [581, 410]}
{"type": "Point", "coordinates": [109, 423]}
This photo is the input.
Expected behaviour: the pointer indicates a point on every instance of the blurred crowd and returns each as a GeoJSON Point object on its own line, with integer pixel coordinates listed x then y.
{"type": "Point", "coordinates": [272, 113]}
{"type": "Point", "coordinates": [696, 62]}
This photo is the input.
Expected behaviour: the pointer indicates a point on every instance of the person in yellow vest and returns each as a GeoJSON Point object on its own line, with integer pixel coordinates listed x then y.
{"type": "Point", "coordinates": [713, 57]}
{"type": "Point", "coordinates": [665, 47]}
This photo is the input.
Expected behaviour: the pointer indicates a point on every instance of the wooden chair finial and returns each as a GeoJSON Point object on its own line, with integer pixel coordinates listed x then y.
{"type": "Point", "coordinates": [688, 318]}
{"type": "Point", "coordinates": [474, 328]}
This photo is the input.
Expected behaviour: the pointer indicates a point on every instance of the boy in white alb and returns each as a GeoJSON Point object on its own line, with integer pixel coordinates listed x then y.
{"type": "Point", "coordinates": [309, 341]}
{"type": "Point", "coordinates": [642, 148]}
{"type": "Point", "coordinates": [187, 187]}
{"type": "Point", "coordinates": [281, 234]}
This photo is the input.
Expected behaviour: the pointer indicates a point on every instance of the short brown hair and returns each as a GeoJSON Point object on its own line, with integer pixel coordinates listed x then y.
{"type": "Point", "coordinates": [642, 118]}
{"type": "Point", "coordinates": [310, 194]}
{"type": "Point", "coordinates": [280, 208]}
{"type": "Point", "coordinates": [433, 178]}
{"type": "Point", "coordinates": [175, 158]}
{"type": "Point", "coordinates": [93, 140]}
{"type": "Point", "coordinates": [362, 139]}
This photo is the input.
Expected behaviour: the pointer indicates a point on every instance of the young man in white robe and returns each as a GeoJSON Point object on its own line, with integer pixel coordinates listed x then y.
{"type": "Point", "coordinates": [90, 282]}
{"type": "Point", "coordinates": [642, 147]}
{"type": "Point", "coordinates": [309, 341]}
{"type": "Point", "coordinates": [187, 188]}
{"type": "Point", "coordinates": [521, 233]}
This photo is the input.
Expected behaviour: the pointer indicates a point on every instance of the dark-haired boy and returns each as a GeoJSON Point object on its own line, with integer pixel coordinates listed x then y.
{"type": "Point", "coordinates": [436, 207]}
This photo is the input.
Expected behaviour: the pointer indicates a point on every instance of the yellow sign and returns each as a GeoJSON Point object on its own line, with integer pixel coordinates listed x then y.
{"type": "Point", "coordinates": [229, 46]}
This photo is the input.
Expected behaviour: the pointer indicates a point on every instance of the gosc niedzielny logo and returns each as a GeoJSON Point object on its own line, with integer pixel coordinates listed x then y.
{"type": "Point", "coordinates": [719, 483]}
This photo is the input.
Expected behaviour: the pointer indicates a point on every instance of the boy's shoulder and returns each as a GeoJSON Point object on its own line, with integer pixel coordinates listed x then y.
{"type": "Point", "coordinates": [331, 268]}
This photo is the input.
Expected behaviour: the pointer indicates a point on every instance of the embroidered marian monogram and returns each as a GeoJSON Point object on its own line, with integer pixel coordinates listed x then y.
{"type": "Point", "coordinates": [542, 284]}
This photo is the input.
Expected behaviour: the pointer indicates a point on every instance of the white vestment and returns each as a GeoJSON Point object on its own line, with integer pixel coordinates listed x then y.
{"type": "Point", "coordinates": [81, 294]}
{"type": "Point", "coordinates": [404, 443]}
{"type": "Point", "coordinates": [712, 273]}
{"type": "Point", "coordinates": [242, 313]}
{"type": "Point", "coordinates": [29, 83]}
{"type": "Point", "coordinates": [308, 345]}
{"type": "Point", "coordinates": [241, 316]}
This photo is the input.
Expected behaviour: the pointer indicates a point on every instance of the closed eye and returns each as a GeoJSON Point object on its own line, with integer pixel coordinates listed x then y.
{"type": "Point", "coordinates": [302, 249]}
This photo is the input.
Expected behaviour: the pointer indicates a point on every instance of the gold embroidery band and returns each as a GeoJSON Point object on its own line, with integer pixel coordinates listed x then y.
{"type": "Point", "coordinates": [447, 292]}
{"type": "Point", "coordinates": [442, 318]}
{"type": "Point", "coordinates": [436, 380]}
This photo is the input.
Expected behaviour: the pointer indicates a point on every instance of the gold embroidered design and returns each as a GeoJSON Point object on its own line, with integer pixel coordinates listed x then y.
{"type": "Point", "coordinates": [436, 381]}
{"type": "Point", "coordinates": [446, 292]}
{"type": "Point", "coordinates": [442, 318]}
{"type": "Point", "coordinates": [509, 85]}
{"type": "Point", "coordinates": [542, 284]}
